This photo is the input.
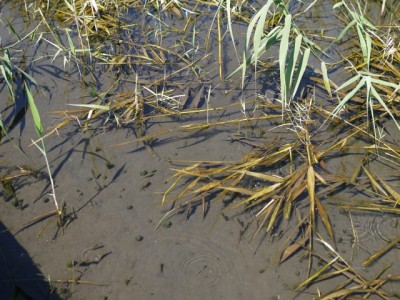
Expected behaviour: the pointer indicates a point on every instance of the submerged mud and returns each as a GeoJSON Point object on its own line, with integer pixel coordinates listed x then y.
{"type": "Point", "coordinates": [163, 103]}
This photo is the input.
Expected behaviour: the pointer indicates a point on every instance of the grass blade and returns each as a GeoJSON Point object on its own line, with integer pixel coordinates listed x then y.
{"type": "Point", "coordinates": [326, 78]}
{"type": "Point", "coordinates": [34, 111]}
{"type": "Point", "coordinates": [316, 274]}
{"type": "Point", "coordinates": [229, 17]}
{"type": "Point", "coordinates": [255, 20]}
{"type": "Point", "coordinates": [348, 82]}
{"type": "Point", "coordinates": [93, 106]}
{"type": "Point", "coordinates": [262, 176]}
{"type": "Point", "coordinates": [258, 33]}
{"type": "Point", "coordinates": [341, 104]}
{"type": "Point", "coordinates": [380, 252]}
{"type": "Point", "coordinates": [272, 220]}
{"type": "Point", "coordinates": [375, 185]}
{"type": "Point", "coordinates": [263, 192]}
{"type": "Point", "coordinates": [390, 190]}
{"type": "Point", "coordinates": [283, 50]}
{"type": "Point", "coordinates": [344, 292]}
{"type": "Point", "coordinates": [378, 97]}
{"type": "Point", "coordinates": [292, 61]}
{"type": "Point", "coordinates": [325, 217]}
{"type": "Point", "coordinates": [344, 31]}
{"type": "Point", "coordinates": [301, 70]}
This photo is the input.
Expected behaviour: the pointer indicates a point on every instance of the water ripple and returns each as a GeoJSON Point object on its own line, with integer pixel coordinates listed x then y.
{"type": "Point", "coordinates": [382, 227]}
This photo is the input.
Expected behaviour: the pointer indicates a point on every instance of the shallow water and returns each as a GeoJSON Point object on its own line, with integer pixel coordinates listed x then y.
{"type": "Point", "coordinates": [114, 191]}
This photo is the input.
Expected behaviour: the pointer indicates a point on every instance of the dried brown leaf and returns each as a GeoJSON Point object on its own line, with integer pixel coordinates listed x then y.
{"type": "Point", "coordinates": [380, 252]}
{"type": "Point", "coordinates": [375, 185]}
{"type": "Point", "coordinates": [324, 216]}
{"type": "Point", "coordinates": [274, 215]}
{"type": "Point", "coordinates": [311, 191]}
{"type": "Point", "coordinates": [290, 250]}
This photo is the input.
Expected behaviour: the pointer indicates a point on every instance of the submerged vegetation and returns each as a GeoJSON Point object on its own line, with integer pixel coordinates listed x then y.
{"type": "Point", "coordinates": [325, 106]}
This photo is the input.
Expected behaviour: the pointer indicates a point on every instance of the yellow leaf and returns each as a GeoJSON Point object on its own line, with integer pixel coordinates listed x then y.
{"type": "Point", "coordinates": [263, 191]}
{"type": "Point", "coordinates": [311, 190]}
{"type": "Point", "coordinates": [376, 186]}
{"type": "Point", "coordinates": [324, 216]}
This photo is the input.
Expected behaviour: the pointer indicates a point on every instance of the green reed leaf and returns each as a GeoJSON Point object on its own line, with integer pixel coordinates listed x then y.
{"type": "Point", "coordinates": [344, 31]}
{"type": "Point", "coordinates": [35, 113]}
{"type": "Point", "coordinates": [291, 64]}
{"type": "Point", "coordinates": [300, 71]}
{"type": "Point", "coordinates": [341, 104]}
{"type": "Point", "coordinates": [381, 102]}
{"type": "Point", "coordinates": [326, 78]}
{"type": "Point", "coordinates": [283, 50]}
{"type": "Point", "coordinates": [348, 82]}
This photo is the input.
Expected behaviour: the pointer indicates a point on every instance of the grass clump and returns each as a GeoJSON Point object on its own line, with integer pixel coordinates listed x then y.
{"type": "Point", "coordinates": [294, 175]}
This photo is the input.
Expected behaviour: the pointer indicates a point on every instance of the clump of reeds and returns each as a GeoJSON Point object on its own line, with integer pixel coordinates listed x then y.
{"type": "Point", "coordinates": [306, 177]}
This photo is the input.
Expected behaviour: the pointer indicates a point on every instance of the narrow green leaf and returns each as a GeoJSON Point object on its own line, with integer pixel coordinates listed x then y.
{"type": "Point", "coordinates": [348, 82]}
{"type": "Point", "coordinates": [69, 6]}
{"type": "Point", "coordinates": [266, 43]}
{"type": "Point", "coordinates": [35, 113]}
{"type": "Point", "coordinates": [326, 78]}
{"type": "Point", "coordinates": [258, 34]}
{"type": "Point", "coordinates": [71, 44]}
{"type": "Point", "coordinates": [27, 76]}
{"type": "Point", "coordinates": [301, 70]}
{"type": "Point", "coordinates": [6, 77]}
{"type": "Point", "coordinates": [380, 100]}
{"type": "Point", "coordinates": [228, 14]}
{"type": "Point", "coordinates": [344, 31]}
{"type": "Point", "coordinates": [368, 43]}
{"type": "Point", "coordinates": [363, 43]}
{"type": "Point", "coordinates": [291, 65]}
{"type": "Point", "coordinates": [369, 24]}
{"type": "Point", "coordinates": [283, 50]}
{"type": "Point", "coordinates": [370, 106]}
{"type": "Point", "coordinates": [348, 97]}
{"type": "Point", "coordinates": [250, 28]}
{"type": "Point", "coordinates": [385, 83]}
{"type": "Point", "coordinates": [13, 30]}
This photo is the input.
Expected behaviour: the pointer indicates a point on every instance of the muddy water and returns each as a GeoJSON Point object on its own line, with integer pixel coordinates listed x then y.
{"type": "Point", "coordinates": [110, 246]}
